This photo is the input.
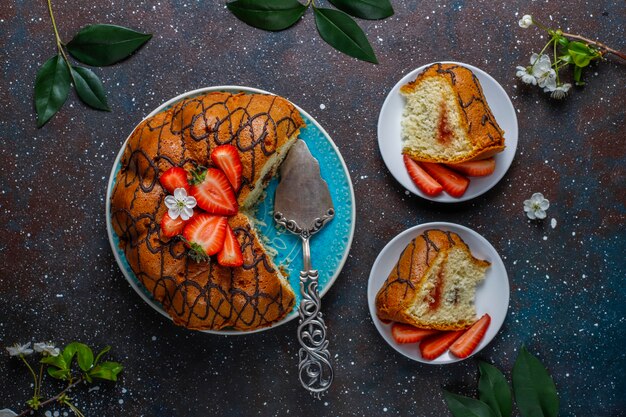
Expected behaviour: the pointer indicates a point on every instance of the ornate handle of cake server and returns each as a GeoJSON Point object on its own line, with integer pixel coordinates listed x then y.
{"type": "Point", "coordinates": [314, 369]}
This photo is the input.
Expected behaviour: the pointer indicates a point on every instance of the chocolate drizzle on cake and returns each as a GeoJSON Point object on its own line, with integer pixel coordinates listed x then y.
{"type": "Point", "coordinates": [202, 295]}
{"type": "Point", "coordinates": [474, 99]}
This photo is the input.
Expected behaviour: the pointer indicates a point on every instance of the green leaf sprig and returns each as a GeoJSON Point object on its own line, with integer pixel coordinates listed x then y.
{"type": "Point", "coordinates": [61, 365]}
{"type": "Point", "coordinates": [561, 51]}
{"type": "Point", "coordinates": [535, 392]}
{"type": "Point", "coordinates": [336, 27]}
{"type": "Point", "coordinates": [96, 45]}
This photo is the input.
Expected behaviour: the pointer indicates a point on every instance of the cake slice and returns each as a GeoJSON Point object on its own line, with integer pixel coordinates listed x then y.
{"type": "Point", "coordinates": [433, 284]}
{"type": "Point", "coordinates": [446, 117]}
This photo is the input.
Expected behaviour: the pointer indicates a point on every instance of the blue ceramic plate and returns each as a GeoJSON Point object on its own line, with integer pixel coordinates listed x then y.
{"type": "Point", "coordinates": [329, 248]}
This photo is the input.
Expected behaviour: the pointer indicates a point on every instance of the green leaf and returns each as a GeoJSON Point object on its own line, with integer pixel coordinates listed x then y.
{"type": "Point", "coordinates": [578, 72]}
{"type": "Point", "coordinates": [494, 391]}
{"type": "Point", "coordinates": [89, 88]}
{"type": "Point", "coordinates": [268, 15]}
{"type": "Point", "coordinates": [51, 88]}
{"type": "Point", "coordinates": [102, 352]}
{"type": "Point", "coordinates": [461, 406]}
{"type": "Point", "coordinates": [106, 370]}
{"type": "Point", "coordinates": [563, 41]}
{"type": "Point", "coordinates": [365, 9]}
{"type": "Point", "coordinates": [580, 53]}
{"type": "Point", "coordinates": [100, 45]}
{"type": "Point", "coordinates": [535, 391]}
{"type": "Point", "coordinates": [566, 58]}
{"type": "Point", "coordinates": [69, 352]}
{"type": "Point", "coordinates": [342, 33]}
{"type": "Point", "coordinates": [57, 361]}
{"type": "Point", "coordinates": [83, 353]}
{"type": "Point", "coordinates": [63, 374]}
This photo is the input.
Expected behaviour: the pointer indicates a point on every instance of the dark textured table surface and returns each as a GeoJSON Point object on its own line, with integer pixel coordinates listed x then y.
{"type": "Point", "coordinates": [59, 280]}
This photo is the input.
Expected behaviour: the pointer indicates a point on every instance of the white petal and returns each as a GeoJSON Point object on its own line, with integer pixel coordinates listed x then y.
{"type": "Point", "coordinates": [39, 347]}
{"type": "Point", "coordinates": [531, 215]}
{"type": "Point", "coordinates": [533, 58]}
{"type": "Point", "coordinates": [180, 193]}
{"type": "Point", "coordinates": [544, 205]}
{"type": "Point", "coordinates": [170, 202]}
{"type": "Point", "coordinates": [190, 202]}
{"type": "Point", "coordinates": [540, 214]}
{"type": "Point", "coordinates": [174, 212]}
{"type": "Point", "coordinates": [13, 351]}
{"type": "Point", "coordinates": [536, 197]}
{"type": "Point", "coordinates": [5, 412]}
{"type": "Point", "coordinates": [186, 213]}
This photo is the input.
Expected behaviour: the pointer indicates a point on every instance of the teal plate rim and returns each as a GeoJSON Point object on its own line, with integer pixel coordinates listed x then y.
{"type": "Point", "coordinates": [120, 257]}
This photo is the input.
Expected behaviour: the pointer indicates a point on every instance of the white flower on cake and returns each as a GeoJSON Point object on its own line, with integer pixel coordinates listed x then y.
{"type": "Point", "coordinates": [180, 204]}
{"type": "Point", "coordinates": [47, 349]}
{"type": "Point", "coordinates": [526, 21]}
{"type": "Point", "coordinates": [19, 350]}
{"type": "Point", "coordinates": [560, 91]}
{"type": "Point", "coordinates": [536, 207]}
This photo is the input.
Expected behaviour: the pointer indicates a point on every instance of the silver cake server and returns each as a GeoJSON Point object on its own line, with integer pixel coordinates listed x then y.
{"type": "Point", "coordinates": [303, 206]}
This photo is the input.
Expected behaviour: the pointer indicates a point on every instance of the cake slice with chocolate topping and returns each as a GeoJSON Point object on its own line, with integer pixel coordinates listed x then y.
{"type": "Point", "coordinates": [433, 284]}
{"type": "Point", "coordinates": [446, 117]}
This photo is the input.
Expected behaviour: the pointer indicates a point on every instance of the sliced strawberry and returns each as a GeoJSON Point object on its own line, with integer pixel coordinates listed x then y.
{"type": "Point", "coordinates": [432, 347]}
{"type": "Point", "coordinates": [424, 182]}
{"type": "Point", "coordinates": [205, 233]}
{"type": "Point", "coordinates": [230, 255]}
{"type": "Point", "coordinates": [214, 193]}
{"type": "Point", "coordinates": [405, 333]}
{"type": "Point", "coordinates": [171, 227]}
{"type": "Point", "coordinates": [452, 182]}
{"type": "Point", "coordinates": [480, 168]}
{"type": "Point", "coordinates": [226, 157]}
{"type": "Point", "coordinates": [467, 343]}
{"type": "Point", "coordinates": [174, 178]}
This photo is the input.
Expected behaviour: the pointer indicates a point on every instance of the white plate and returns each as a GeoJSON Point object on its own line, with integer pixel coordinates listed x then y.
{"type": "Point", "coordinates": [390, 135]}
{"type": "Point", "coordinates": [492, 295]}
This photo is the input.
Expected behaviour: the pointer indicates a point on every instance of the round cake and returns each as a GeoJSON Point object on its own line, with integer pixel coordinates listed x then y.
{"type": "Point", "coordinates": [205, 295]}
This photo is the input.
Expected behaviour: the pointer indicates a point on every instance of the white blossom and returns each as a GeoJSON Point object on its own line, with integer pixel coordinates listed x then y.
{"type": "Point", "coordinates": [536, 207]}
{"type": "Point", "coordinates": [543, 72]}
{"type": "Point", "coordinates": [18, 350]}
{"type": "Point", "coordinates": [526, 21]}
{"type": "Point", "coordinates": [526, 76]}
{"type": "Point", "coordinates": [180, 204]}
{"type": "Point", "coordinates": [5, 412]}
{"type": "Point", "coordinates": [560, 91]}
{"type": "Point", "coordinates": [46, 349]}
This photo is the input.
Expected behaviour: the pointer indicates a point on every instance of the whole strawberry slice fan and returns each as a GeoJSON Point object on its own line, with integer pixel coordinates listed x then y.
{"type": "Point", "coordinates": [213, 192]}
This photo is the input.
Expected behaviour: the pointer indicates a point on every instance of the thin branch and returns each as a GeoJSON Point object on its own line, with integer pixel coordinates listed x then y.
{"type": "Point", "coordinates": [596, 43]}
